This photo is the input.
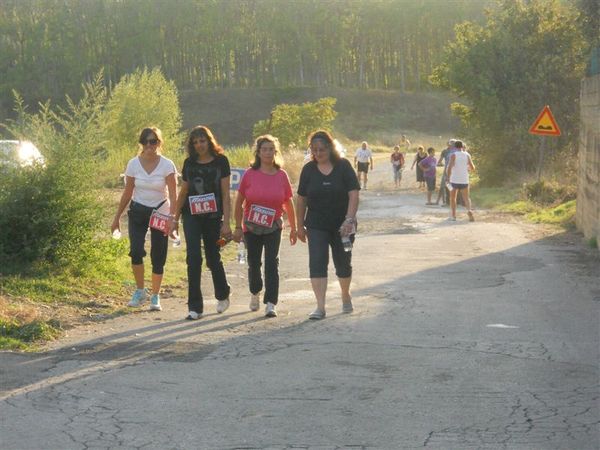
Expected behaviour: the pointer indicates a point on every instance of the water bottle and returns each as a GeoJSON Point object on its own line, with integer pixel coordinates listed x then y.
{"type": "Point", "coordinates": [449, 187]}
{"type": "Point", "coordinates": [241, 255]}
{"type": "Point", "coordinates": [116, 234]}
{"type": "Point", "coordinates": [347, 243]}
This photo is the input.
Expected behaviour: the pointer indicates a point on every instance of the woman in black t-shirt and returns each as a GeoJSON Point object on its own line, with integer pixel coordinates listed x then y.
{"type": "Point", "coordinates": [204, 204]}
{"type": "Point", "coordinates": [326, 211]}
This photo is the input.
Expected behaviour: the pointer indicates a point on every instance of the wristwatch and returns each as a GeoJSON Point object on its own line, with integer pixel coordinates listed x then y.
{"type": "Point", "coordinates": [349, 220]}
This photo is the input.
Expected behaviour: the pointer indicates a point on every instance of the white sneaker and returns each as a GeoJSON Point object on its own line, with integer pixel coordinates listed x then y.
{"type": "Point", "coordinates": [270, 310]}
{"type": "Point", "coordinates": [193, 315]}
{"type": "Point", "coordinates": [222, 305]}
{"type": "Point", "coordinates": [254, 302]}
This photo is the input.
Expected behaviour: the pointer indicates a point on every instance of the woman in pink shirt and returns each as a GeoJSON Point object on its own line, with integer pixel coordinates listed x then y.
{"type": "Point", "coordinates": [265, 192]}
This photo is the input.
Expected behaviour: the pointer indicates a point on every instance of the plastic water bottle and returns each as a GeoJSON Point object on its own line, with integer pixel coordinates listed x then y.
{"type": "Point", "coordinates": [116, 234]}
{"type": "Point", "coordinates": [347, 243]}
{"type": "Point", "coordinates": [176, 240]}
{"type": "Point", "coordinates": [241, 255]}
{"type": "Point", "coordinates": [449, 187]}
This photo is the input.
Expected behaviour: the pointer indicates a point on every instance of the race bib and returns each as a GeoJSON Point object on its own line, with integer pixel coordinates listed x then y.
{"type": "Point", "coordinates": [260, 215]}
{"type": "Point", "coordinates": [203, 204]}
{"type": "Point", "coordinates": [159, 221]}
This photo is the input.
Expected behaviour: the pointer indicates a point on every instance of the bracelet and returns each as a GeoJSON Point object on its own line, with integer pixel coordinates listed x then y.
{"type": "Point", "coordinates": [349, 219]}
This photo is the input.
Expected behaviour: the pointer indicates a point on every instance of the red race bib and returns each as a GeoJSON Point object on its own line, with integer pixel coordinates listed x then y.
{"type": "Point", "coordinates": [203, 204]}
{"type": "Point", "coordinates": [261, 215]}
{"type": "Point", "coordinates": [159, 221]}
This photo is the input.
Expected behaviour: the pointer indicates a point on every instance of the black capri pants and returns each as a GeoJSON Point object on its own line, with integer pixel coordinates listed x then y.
{"type": "Point", "coordinates": [319, 242]}
{"type": "Point", "coordinates": [139, 218]}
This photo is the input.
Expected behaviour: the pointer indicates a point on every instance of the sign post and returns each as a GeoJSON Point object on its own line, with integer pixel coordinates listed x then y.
{"type": "Point", "coordinates": [544, 125]}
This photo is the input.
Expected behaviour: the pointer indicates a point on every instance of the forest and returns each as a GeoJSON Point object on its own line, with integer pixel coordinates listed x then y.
{"type": "Point", "coordinates": [49, 47]}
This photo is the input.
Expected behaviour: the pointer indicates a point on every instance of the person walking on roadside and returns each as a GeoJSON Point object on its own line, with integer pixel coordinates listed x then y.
{"type": "Point", "coordinates": [265, 192]}
{"type": "Point", "coordinates": [443, 193]}
{"type": "Point", "coordinates": [404, 144]}
{"type": "Point", "coordinates": [363, 160]}
{"type": "Point", "coordinates": [428, 166]}
{"type": "Point", "coordinates": [326, 213]}
{"type": "Point", "coordinates": [419, 156]}
{"type": "Point", "coordinates": [458, 173]}
{"type": "Point", "coordinates": [205, 205]}
{"type": "Point", "coordinates": [397, 160]}
{"type": "Point", "coordinates": [150, 192]}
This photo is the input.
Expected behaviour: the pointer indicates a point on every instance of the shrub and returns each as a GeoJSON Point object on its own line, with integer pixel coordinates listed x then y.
{"type": "Point", "coordinates": [51, 214]}
{"type": "Point", "coordinates": [547, 193]}
{"type": "Point", "coordinates": [292, 124]}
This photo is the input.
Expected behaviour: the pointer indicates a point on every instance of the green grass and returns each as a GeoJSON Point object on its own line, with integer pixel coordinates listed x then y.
{"type": "Point", "coordinates": [511, 200]}
{"type": "Point", "coordinates": [562, 214]}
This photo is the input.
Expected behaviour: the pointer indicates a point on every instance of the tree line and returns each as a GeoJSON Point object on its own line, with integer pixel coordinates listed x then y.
{"type": "Point", "coordinates": [49, 47]}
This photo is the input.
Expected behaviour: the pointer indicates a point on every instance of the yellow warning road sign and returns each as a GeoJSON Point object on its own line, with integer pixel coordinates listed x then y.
{"type": "Point", "coordinates": [545, 124]}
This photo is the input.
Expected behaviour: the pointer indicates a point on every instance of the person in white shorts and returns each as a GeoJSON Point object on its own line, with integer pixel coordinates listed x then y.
{"type": "Point", "coordinates": [363, 160]}
{"type": "Point", "coordinates": [458, 174]}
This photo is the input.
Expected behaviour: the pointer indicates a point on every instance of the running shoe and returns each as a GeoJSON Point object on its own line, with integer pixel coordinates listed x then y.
{"type": "Point", "coordinates": [138, 297]}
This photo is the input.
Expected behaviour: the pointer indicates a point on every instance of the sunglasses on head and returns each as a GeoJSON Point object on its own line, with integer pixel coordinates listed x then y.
{"type": "Point", "coordinates": [150, 141]}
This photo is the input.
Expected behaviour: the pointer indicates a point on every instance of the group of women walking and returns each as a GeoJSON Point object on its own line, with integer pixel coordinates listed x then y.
{"type": "Point", "coordinates": [324, 216]}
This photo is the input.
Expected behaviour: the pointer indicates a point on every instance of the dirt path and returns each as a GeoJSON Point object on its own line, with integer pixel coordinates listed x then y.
{"type": "Point", "coordinates": [465, 335]}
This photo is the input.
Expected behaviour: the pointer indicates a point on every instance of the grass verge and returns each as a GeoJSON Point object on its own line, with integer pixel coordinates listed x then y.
{"type": "Point", "coordinates": [511, 200]}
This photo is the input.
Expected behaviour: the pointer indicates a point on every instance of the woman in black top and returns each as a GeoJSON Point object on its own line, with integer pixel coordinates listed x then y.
{"type": "Point", "coordinates": [419, 156]}
{"type": "Point", "coordinates": [326, 211]}
{"type": "Point", "coordinates": [205, 206]}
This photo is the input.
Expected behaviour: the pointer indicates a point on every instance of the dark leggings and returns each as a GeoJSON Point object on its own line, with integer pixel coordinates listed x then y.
{"type": "Point", "coordinates": [319, 242]}
{"type": "Point", "coordinates": [255, 244]}
{"type": "Point", "coordinates": [197, 230]}
{"type": "Point", "coordinates": [139, 217]}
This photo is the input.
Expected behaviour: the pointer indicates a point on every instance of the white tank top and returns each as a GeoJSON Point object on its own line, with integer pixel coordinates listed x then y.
{"type": "Point", "coordinates": [460, 170]}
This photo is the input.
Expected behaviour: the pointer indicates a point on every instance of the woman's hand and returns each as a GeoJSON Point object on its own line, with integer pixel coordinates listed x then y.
{"type": "Point", "coordinates": [347, 228]}
{"type": "Point", "coordinates": [173, 226]}
{"type": "Point", "coordinates": [238, 234]}
{"type": "Point", "coordinates": [226, 230]}
{"type": "Point", "coordinates": [116, 225]}
{"type": "Point", "coordinates": [293, 237]}
{"type": "Point", "coordinates": [301, 234]}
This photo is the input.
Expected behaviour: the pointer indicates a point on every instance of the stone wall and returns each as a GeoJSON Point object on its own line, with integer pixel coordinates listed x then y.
{"type": "Point", "coordinates": [588, 189]}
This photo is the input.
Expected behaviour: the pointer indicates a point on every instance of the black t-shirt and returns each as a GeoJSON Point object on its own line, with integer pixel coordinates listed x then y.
{"type": "Point", "coordinates": [327, 195]}
{"type": "Point", "coordinates": [204, 179]}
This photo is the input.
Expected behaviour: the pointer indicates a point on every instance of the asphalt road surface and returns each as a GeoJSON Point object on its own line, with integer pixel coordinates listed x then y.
{"type": "Point", "coordinates": [479, 335]}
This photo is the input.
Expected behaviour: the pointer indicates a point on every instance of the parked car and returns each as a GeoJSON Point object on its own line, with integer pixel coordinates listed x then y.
{"type": "Point", "coordinates": [19, 154]}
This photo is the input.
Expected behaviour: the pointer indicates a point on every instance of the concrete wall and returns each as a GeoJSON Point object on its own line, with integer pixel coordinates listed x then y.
{"type": "Point", "coordinates": [588, 189]}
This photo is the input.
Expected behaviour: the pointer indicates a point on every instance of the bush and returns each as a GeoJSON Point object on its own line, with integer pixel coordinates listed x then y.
{"type": "Point", "coordinates": [547, 193]}
{"type": "Point", "coordinates": [292, 124]}
{"type": "Point", "coordinates": [51, 214]}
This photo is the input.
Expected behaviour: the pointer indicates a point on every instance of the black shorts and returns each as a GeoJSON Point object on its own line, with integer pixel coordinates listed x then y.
{"type": "Point", "coordinates": [363, 167]}
{"type": "Point", "coordinates": [430, 183]}
{"type": "Point", "coordinates": [459, 185]}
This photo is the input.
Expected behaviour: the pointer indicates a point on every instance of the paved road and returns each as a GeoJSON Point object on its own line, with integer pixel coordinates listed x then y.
{"type": "Point", "coordinates": [465, 336]}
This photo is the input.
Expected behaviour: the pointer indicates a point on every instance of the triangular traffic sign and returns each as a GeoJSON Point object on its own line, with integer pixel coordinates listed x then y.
{"type": "Point", "coordinates": [545, 124]}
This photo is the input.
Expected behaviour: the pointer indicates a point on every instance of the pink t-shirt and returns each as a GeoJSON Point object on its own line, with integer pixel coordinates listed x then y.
{"type": "Point", "coordinates": [268, 191]}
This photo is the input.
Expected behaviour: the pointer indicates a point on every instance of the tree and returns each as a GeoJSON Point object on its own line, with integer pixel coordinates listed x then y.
{"type": "Point", "coordinates": [529, 54]}
{"type": "Point", "coordinates": [144, 98]}
{"type": "Point", "coordinates": [292, 124]}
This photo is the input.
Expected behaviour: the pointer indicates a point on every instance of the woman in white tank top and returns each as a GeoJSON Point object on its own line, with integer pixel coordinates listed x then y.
{"type": "Point", "coordinates": [458, 173]}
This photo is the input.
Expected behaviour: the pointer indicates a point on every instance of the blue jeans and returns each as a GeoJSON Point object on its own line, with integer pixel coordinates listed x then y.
{"type": "Point", "coordinates": [198, 229]}
{"type": "Point", "coordinates": [255, 244]}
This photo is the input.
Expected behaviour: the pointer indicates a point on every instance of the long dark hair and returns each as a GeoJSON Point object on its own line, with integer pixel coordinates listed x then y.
{"type": "Point", "coordinates": [277, 160]}
{"type": "Point", "coordinates": [325, 137]}
{"type": "Point", "coordinates": [202, 131]}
